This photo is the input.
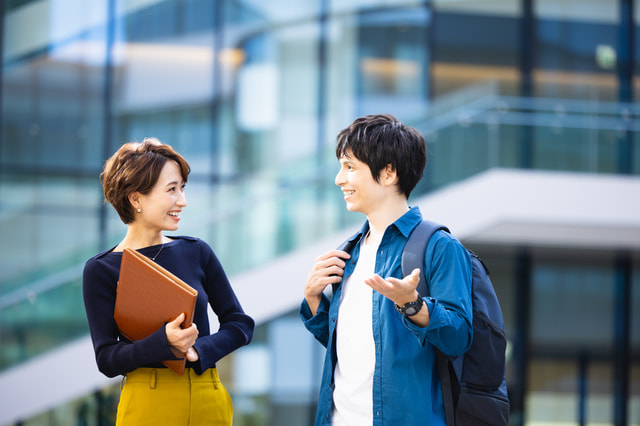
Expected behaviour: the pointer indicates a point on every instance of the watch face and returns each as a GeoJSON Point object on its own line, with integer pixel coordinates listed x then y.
{"type": "Point", "coordinates": [411, 310]}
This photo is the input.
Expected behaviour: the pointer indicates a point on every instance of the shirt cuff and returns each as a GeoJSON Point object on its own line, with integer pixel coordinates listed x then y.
{"type": "Point", "coordinates": [418, 331]}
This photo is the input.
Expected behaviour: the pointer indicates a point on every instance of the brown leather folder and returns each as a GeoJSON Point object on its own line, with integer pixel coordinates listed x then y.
{"type": "Point", "coordinates": [147, 297]}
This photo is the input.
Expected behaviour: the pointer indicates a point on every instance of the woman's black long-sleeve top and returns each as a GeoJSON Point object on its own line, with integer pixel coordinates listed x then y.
{"type": "Point", "coordinates": [192, 260]}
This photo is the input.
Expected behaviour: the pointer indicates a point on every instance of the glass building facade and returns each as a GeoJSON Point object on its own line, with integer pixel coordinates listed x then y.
{"type": "Point", "coordinates": [252, 93]}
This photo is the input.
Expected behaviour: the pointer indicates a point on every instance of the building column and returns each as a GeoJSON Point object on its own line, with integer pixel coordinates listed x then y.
{"type": "Point", "coordinates": [107, 112]}
{"type": "Point", "coordinates": [521, 342]}
{"type": "Point", "coordinates": [527, 64]}
{"type": "Point", "coordinates": [625, 66]}
{"type": "Point", "coordinates": [622, 332]}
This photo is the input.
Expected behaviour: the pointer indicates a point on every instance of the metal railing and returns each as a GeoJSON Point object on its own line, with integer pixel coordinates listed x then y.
{"type": "Point", "coordinates": [467, 132]}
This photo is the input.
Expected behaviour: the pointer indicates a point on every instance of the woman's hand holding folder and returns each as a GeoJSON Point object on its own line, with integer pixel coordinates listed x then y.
{"type": "Point", "coordinates": [182, 340]}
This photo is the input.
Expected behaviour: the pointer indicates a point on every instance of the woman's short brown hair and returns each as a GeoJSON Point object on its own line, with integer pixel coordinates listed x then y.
{"type": "Point", "coordinates": [135, 167]}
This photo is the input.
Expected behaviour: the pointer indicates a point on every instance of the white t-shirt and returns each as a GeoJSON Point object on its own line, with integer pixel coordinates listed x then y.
{"type": "Point", "coordinates": [355, 348]}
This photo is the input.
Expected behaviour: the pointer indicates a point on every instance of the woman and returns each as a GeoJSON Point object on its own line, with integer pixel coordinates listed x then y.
{"type": "Point", "coordinates": [145, 184]}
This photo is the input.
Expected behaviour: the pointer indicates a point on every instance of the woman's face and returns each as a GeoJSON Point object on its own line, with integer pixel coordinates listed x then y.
{"type": "Point", "coordinates": [161, 208]}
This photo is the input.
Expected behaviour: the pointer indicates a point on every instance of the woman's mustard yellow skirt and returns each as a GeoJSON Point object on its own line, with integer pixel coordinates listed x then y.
{"type": "Point", "coordinates": [158, 396]}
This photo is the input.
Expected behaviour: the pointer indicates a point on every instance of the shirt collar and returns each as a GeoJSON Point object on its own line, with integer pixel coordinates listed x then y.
{"type": "Point", "coordinates": [404, 224]}
{"type": "Point", "coordinates": [408, 221]}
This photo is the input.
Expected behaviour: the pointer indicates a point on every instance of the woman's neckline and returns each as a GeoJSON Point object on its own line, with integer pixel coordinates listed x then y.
{"type": "Point", "coordinates": [170, 240]}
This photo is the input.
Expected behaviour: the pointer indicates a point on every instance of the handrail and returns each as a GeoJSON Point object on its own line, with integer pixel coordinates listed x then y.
{"type": "Point", "coordinates": [470, 105]}
{"type": "Point", "coordinates": [477, 106]}
{"type": "Point", "coordinates": [467, 106]}
{"type": "Point", "coordinates": [31, 291]}
{"type": "Point", "coordinates": [446, 110]}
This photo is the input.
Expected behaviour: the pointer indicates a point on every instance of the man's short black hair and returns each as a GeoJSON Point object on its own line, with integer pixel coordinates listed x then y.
{"type": "Point", "coordinates": [380, 139]}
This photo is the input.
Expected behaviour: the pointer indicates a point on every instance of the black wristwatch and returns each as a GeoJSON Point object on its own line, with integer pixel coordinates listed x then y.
{"type": "Point", "coordinates": [411, 308]}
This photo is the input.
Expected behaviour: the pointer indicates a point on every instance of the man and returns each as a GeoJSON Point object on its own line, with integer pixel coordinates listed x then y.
{"type": "Point", "coordinates": [380, 366]}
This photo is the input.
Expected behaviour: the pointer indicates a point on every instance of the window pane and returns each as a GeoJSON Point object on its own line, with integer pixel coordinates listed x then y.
{"type": "Point", "coordinates": [476, 43]}
{"type": "Point", "coordinates": [573, 305]}
{"type": "Point", "coordinates": [378, 63]}
{"type": "Point", "coordinates": [575, 49]}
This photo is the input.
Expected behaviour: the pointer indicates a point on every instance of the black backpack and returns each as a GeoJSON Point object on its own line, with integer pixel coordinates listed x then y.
{"type": "Point", "coordinates": [473, 384]}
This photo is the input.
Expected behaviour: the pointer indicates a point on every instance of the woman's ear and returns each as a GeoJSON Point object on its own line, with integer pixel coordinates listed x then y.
{"type": "Point", "coordinates": [134, 199]}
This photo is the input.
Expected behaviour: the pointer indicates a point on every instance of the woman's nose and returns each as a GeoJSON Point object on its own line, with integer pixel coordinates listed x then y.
{"type": "Point", "coordinates": [182, 200]}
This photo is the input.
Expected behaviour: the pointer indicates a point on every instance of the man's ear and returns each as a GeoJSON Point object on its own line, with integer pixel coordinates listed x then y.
{"type": "Point", "coordinates": [389, 175]}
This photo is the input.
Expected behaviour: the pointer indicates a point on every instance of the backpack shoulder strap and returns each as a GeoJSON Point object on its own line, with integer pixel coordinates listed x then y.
{"type": "Point", "coordinates": [347, 245]}
{"type": "Point", "coordinates": [413, 257]}
{"type": "Point", "coordinates": [414, 250]}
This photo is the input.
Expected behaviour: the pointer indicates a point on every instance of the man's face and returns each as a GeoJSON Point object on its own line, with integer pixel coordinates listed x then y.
{"type": "Point", "coordinates": [361, 192]}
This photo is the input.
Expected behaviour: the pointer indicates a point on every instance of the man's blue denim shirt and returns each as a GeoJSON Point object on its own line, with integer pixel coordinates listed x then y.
{"type": "Point", "coordinates": [406, 385]}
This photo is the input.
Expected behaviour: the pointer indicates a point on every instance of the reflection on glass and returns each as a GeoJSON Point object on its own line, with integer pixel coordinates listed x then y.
{"type": "Point", "coordinates": [253, 92]}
